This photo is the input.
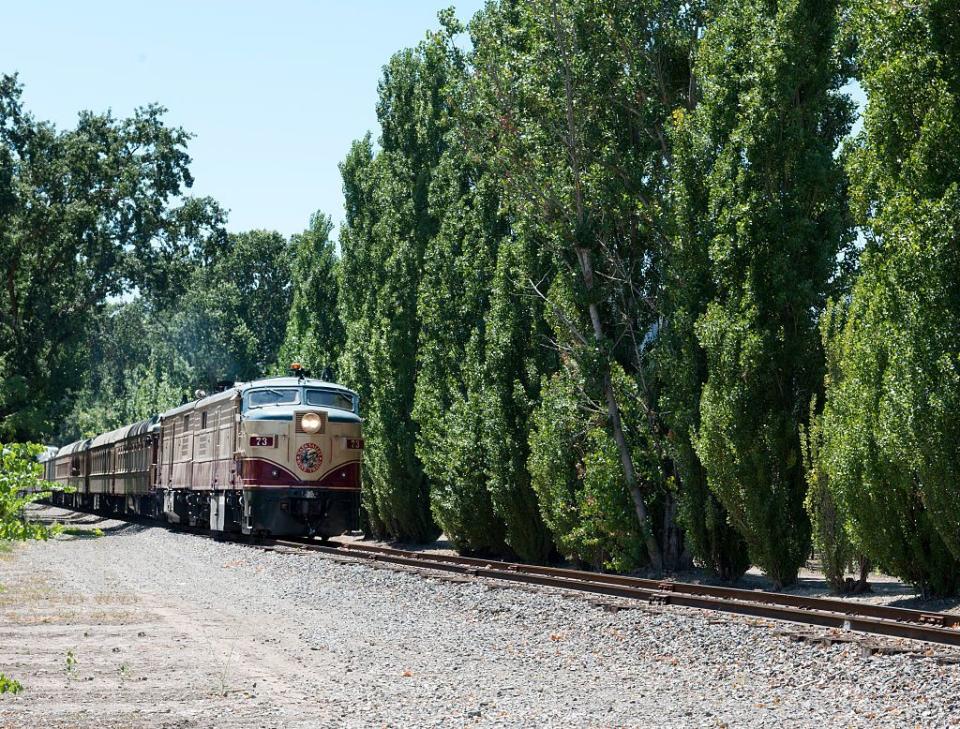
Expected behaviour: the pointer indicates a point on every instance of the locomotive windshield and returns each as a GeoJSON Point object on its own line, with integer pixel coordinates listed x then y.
{"type": "Point", "coordinates": [273, 396]}
{"type": "Point", "coordinates": [329, 399]}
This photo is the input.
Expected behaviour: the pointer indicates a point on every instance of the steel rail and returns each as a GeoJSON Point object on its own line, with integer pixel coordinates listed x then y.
{"type": "Point", "coordinates": [825, 612]}
{"type": "Point", "coordinates": [931, 627]}
{"type": "Point", "coordinates": [945, 620]}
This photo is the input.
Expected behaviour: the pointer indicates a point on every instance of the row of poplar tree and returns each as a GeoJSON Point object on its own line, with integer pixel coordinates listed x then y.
{"type": "Point", "coordinates": [618, 282]}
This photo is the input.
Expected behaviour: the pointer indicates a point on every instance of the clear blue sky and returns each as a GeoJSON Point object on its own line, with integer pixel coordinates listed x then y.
{"type": "Point", "coordinates": [274, 91]}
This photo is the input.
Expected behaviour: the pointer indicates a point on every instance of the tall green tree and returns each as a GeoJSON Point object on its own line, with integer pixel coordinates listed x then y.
{"type": "Point", "coordinates": [770, 119]}
{"type": "Point", "coordinates": [472, 443]}
{"type": "Point", "coordinates": [579, 95]}
{"type": "Point", "coordinates": [85, 214]}
{"type": "Point", "coordinates": [891, 424]}
{"type": "Point", "coordinates": [687, 288]}
{"type": "Point", "coordinates": [518, 357]}
{"type": "Point", "coordinates": [453, 297]}
{"type": "Point", "coordinates": [388, 226]}
{"type": "Point", "coordinates": [314, 335]}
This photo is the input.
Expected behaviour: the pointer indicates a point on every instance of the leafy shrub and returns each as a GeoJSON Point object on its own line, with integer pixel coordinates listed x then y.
{"type": "Point", "coordinates": [576, 474]}
{"type": "Point", "coordinates": [21, 483]}
{"type": "Point", "coordinates": [9, 685]}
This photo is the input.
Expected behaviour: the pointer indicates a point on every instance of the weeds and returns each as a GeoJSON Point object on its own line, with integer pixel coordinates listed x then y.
{"type": "Point", "coordinates": [226, 669]}
{"type": "Point", "coordinates": [71, 663]}
{"type": "Point", "coordinates": [9, 685]}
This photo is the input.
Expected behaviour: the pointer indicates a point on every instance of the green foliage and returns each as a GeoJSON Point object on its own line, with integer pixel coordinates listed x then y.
{"type": "Point", "coordinates": [768, 124]}
{"type": "Point", "coordinates": [84, 214]}
{"type": "Point", "coordinates": [516, 360]}
{"type": "Point", "coordinates": [314, 335]}
{"type": "Point", "coordinates": [388, 227]}
{"type": "Point", "coordinates": [578, 95]}
{"type": "Point", "coordinates": [9, 685]}
{"type": "Point", "coordinates": [687, 288]}
{"type": "Point", "coordinates": [230, 322]}
{"type": "Point", "coordinates": [21, 483]}
{"type": "Point", "coordinates": [453, 296]}
{"type": "Point", "coordinates": [827, 519]}
{"type": "Point", "coordinates": [891, 422]}
{"type": "Point", "coordinates": [577, 477]}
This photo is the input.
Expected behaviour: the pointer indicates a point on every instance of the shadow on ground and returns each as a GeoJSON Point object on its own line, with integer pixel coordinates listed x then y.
{"type": "Point", "coordinates": [97, 532]}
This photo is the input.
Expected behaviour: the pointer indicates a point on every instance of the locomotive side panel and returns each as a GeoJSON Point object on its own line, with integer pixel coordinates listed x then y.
{"type": "Point", "coordinates": [214, 442]}
{"type": "Point", "coordinates": [182, 470]}
{"type": "Point", "coordinates": [168, 434]}
{"type": "Point", "coordinates": [204, 445]}
{"type": "Point", "coordinates": [224, 475]}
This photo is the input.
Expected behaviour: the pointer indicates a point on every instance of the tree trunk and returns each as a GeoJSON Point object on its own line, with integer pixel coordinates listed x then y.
{"type": "Point", "coordinates": [616, 425]}
{"type": "Point", "coordinates": [674, 554]}
{"type": "Point", "coordinates": [626, 462]}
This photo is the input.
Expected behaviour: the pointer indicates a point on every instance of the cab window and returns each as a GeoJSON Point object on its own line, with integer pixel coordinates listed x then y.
{"type": "Point", "coordinates": [329, 399]}
{"type": "Point", "coordinates": [273, 396]}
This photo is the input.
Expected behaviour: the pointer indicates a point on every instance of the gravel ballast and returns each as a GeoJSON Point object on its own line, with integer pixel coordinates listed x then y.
{"type": "Point", "coordinates": [169, 629]}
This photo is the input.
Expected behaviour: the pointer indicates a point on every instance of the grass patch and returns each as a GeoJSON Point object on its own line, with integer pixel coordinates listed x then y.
{"type": "Point", "coordinates": [82, 532]}
{"type": "Point", "coordinates": [9, 685]}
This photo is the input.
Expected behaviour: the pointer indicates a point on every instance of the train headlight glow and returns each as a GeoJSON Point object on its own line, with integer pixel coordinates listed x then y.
{"type": "Point", "coordinates": [311, 422]}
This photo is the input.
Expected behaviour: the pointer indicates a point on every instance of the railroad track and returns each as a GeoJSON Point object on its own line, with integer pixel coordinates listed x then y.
{"type": "Point", "coordinates": [893, 622]}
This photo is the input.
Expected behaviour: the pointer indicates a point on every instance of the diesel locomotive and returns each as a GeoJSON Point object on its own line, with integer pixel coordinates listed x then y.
{"type": "Point", "coordinates": [276, 456]}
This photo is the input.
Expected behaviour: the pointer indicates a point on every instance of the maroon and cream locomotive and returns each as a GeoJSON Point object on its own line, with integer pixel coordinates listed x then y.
{"type": "Point", "coordinates": [276, 456]}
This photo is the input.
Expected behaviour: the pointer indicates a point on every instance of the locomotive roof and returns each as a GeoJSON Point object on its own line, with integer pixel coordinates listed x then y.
{"type": "Point", "coordinates": [241, 387]}
{"type": "Point", "coordinates": [293, 382]}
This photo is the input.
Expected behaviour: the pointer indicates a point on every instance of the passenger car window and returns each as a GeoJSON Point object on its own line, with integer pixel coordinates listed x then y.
{"type": "Point", "coordinates": [278, 396]}
{"type": "Point", "coordinates": [329, 399]}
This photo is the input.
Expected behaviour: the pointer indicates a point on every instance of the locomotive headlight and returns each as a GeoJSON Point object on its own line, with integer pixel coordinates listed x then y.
{"type": "Point", "coordinates": [311, 422]}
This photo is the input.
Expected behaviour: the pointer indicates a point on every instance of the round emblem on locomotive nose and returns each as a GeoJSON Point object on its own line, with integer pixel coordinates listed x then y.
{"type": "Point", "coordinates": [309, 457]}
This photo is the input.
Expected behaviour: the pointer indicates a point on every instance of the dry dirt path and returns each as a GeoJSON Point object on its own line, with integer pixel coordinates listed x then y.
{"type": "Point", "coordinates": [91, 651]}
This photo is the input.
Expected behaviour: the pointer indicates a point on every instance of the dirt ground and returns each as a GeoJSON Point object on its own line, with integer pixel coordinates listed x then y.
{"type": "Point", "coordinates": [120, 659]}
{"type": "Point", "coordinates": [142, 627]}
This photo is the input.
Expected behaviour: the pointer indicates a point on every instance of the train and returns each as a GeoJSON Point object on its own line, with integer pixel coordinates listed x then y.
{"type": "Point", "coordinates": [279, 456]}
